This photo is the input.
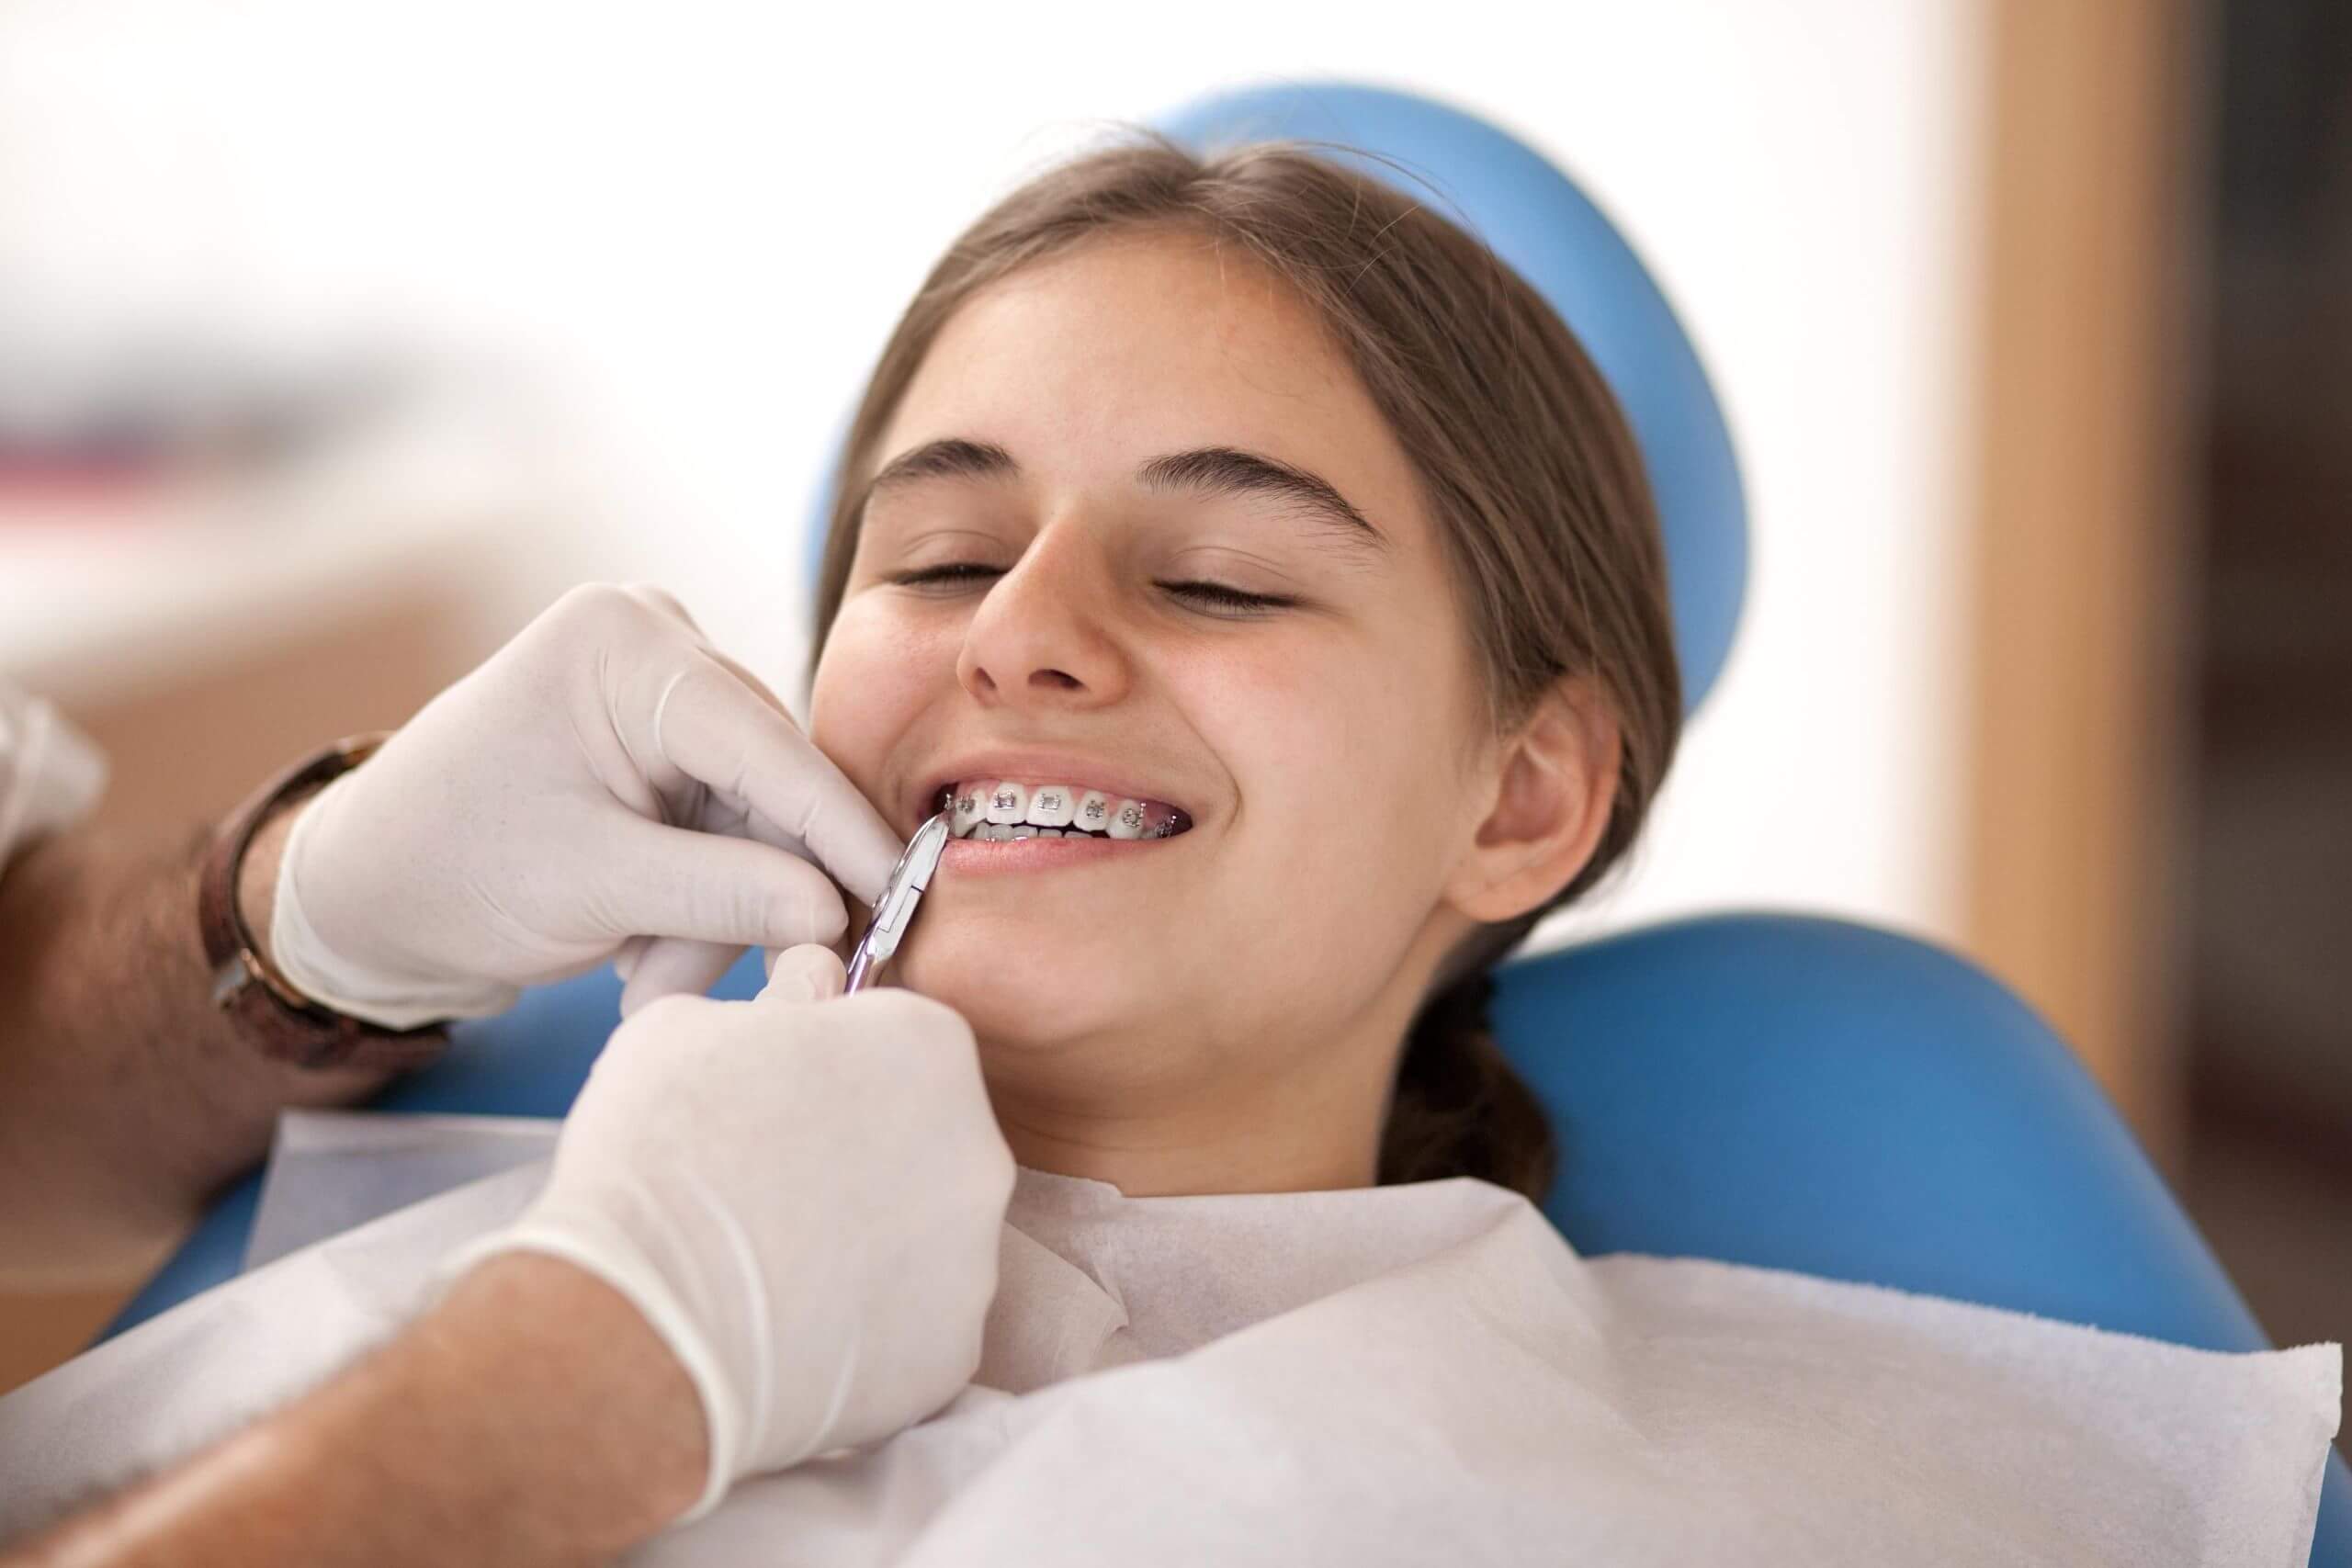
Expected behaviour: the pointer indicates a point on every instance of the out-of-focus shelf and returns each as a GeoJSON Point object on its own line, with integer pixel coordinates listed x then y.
{"type": "Point", "coordinates": [206, 625]}
{"type": "Point", "coordinates": [113, 592]}
{"type": "Point", "coordinates": [100, 612]}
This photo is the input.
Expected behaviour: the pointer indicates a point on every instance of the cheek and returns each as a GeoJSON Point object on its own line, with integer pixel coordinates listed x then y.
{"type": "Point", "coordinates": [1350, 800]}
{"type": "Point", "coordinates": [869, 683]}
{"type": "Point", "coordinates": [1358, 742]}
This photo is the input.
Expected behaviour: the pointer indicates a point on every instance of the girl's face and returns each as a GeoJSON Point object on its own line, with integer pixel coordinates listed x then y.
{"type": "Point", "coordinates": [1137, 531]}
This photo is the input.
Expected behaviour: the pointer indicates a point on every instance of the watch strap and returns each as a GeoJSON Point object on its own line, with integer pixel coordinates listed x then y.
{"type": "Point", "coordinates": [282, 1022]}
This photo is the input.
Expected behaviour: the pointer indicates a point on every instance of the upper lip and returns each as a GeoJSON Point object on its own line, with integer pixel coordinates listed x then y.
{"type": "Point", "coordinates": [1114, 779]}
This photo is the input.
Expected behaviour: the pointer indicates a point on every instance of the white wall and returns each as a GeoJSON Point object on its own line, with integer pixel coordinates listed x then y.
{"type": "Point", "coordinates": [699, 222]}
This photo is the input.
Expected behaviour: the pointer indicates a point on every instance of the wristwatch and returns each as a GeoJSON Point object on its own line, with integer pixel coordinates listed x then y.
{"type": "Point", "coordinates": [282, 1022]}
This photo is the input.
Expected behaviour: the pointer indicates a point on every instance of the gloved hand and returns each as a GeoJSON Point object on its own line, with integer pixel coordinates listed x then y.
{"type": "Point", "coordinates": [803, 1195]}
{"type": "Point", "coordinates": [606, 785]}
{"type": "Point", "coordinates": [50, 775]}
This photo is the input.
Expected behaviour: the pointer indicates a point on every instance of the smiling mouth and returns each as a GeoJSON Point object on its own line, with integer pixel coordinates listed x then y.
{"type": "Point", "coordinates": [1013, 808]}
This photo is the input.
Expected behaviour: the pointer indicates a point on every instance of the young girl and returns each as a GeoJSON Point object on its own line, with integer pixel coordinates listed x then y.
{"type": "Point", "coordinates": [1252, 491]}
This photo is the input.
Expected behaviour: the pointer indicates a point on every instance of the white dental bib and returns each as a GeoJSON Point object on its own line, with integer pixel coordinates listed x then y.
{"type": "Point", "coordinates": [1408, 1375]}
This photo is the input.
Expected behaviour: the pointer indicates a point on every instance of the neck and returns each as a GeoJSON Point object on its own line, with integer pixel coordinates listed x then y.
{"type": "Point", "coordinates": [1309, 1119]}
{"type": "Point", "coordinates": [1314, 1128]}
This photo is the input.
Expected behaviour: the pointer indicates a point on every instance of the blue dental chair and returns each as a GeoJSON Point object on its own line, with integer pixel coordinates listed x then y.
{"type": "Point", "coordinates": [1781, 1091]}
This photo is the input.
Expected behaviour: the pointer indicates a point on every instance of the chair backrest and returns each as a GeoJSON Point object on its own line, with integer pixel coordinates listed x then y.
{"type": "Point", "coordinates": [1810, 1094]}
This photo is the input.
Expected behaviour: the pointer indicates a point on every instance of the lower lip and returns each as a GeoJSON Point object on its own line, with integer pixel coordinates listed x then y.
{"type": "Point", "coordinates": [992, 857]}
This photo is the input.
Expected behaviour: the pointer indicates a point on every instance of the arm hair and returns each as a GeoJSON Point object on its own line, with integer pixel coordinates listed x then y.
{"type": "Point", "coordinates": [127, 1098]}
{"type": "Point", "coordinates": [532, 1419]}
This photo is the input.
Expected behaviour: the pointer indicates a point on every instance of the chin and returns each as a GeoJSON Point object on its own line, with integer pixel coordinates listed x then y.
{"type": "Point", "coordinates": [1010, 992]}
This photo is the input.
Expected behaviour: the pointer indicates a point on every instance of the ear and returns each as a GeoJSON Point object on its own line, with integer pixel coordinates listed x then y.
{"type": "Point", "coordinates": [1553, 788]}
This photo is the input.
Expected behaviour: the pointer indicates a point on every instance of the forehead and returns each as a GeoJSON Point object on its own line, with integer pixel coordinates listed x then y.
{"type": "Point", "coordinates": [1132, 345]}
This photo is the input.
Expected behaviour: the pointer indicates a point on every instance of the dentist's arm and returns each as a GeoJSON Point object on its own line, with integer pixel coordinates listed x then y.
{"type": "Point", "coordinates": [125, 1096]}
{"type": "Point", "coordinates": [771, 1231]}
{"type": "Point", "coordinates": [530, 1418]}
{"type": "Point", "coordinates": [607, 786]}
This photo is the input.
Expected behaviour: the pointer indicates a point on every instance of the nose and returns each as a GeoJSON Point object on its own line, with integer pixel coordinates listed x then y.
{"type": "Point", "coordinates": [1040, 639]}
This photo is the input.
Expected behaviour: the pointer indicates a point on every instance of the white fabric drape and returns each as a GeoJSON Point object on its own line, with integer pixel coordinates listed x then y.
{"type": "Point", "coordinates": [1406, 1375]}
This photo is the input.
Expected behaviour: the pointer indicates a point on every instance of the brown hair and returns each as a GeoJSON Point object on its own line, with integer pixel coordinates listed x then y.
{"type": "Point", "coordinates": [1528, 468]}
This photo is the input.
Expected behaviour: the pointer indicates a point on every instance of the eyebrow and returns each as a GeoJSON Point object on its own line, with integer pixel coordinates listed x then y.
{"type": "Point", "coordinates": [1204, 470]}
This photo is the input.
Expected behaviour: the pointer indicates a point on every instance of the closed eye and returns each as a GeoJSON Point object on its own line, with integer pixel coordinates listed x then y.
{"type": "Point", "coordinates": [954, 571]}
{"type": "Point", "coordinates": [1220, 598]}
{"type": "Point", "coordinates": [1229, 599]}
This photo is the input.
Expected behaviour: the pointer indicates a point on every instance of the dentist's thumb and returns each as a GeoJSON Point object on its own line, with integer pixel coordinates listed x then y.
{"type": "Point", "coordinates": [810, 972]}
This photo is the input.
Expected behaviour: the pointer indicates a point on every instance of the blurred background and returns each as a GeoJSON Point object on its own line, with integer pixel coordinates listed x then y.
{"type": "Point", "coordinates": [336, 341]}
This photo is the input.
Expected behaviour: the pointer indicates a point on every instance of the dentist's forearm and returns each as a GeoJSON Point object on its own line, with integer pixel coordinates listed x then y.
{"type": "Point", "coordinates": [532, 1418]}
{"type": "Point", "coordinates": [126, 1098]}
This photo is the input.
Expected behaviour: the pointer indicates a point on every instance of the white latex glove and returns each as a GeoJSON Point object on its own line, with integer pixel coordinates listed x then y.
{"type": "Point", "coordinates": [803, 1195]}
{"type": "Point", "coordinates": [608, 785]}
{"type": "Point", "coordinates": [50, 773]}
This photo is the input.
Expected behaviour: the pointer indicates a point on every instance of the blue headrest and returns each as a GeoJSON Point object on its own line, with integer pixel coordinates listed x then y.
{"type": "Point", "coordinates": [1501, 190]}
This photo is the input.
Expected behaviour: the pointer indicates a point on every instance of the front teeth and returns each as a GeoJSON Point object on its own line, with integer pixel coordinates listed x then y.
{"type": "Point", "coordinates": [1007, 810]}
{"type": "Point", "coordinates": [1008, 803]}
{"type": "Point", "coordinates": [1050, 805]}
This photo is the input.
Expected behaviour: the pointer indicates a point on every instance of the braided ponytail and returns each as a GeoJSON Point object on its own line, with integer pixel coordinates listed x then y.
{"type": "Point", "coordinates": [1459, 1107]}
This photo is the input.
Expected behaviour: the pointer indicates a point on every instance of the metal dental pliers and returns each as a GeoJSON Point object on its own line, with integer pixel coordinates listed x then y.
{"type": "Point", "coordinates": [896, 909]}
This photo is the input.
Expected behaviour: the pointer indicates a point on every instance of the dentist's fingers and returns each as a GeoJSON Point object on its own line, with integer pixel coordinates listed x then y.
{"type": "Point", "coordinates": [662, 600]}
{"type": "Point", "coordinates": [712, 887]}
{"type": "Point", "coordinates": [625, 957]}
{"type": "Point", "coordinates": [655, 597]}
{"type": "Point", "coordinates": [717, 730]}
{"type": "Point", "coordinates": [805, 974]}
{"type": "Point", "coordinates": [742, 672]}
{"type": "Point", "coordinates": [675, 965]}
